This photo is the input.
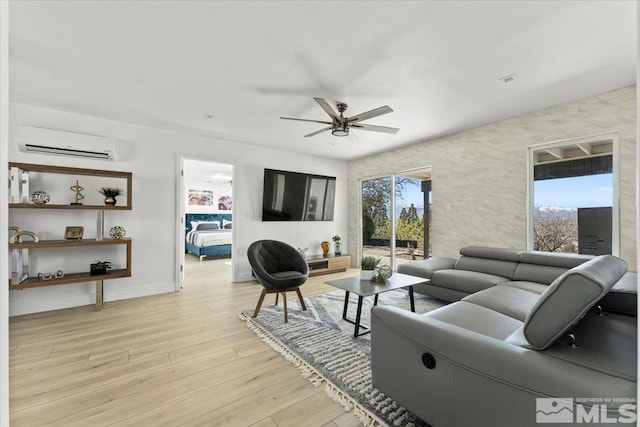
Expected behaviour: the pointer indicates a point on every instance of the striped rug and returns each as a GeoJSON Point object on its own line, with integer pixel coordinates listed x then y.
{"type": "Point", "coordinates": [322, 346]}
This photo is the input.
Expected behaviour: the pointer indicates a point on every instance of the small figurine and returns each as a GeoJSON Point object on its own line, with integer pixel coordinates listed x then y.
{"type": "Point", "coordinates": [78, 190]}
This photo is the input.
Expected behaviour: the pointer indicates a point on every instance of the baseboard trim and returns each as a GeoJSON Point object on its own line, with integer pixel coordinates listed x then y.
{"type": "Point", "coordinates": [37, 304]}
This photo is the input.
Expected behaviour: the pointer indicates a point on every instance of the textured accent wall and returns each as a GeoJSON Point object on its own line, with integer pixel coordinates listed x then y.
{"type": "Point", "coordinates": [481, 173]}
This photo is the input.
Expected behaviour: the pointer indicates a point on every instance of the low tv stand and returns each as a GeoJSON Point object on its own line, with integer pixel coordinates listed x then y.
{"type": "Point", "coordinates": [328, 264]}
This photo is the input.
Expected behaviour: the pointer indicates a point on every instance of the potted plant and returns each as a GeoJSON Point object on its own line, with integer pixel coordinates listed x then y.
{"type": "Point", "coordinates": [368, 266]}
{"type": "Point", "coordinates": [337, 245]}
{"type": "Point", "coordinates": [99, 267]}
{"type": "Point", "coordinates": [110, 194]}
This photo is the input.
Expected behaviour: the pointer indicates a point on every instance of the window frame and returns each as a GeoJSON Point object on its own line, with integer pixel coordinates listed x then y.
{"type": "Point", "coordinates": [612, 137]}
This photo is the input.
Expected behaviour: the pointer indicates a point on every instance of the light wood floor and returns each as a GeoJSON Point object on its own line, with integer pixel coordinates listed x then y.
{"type": "Point", "coordinates": [175, 359]}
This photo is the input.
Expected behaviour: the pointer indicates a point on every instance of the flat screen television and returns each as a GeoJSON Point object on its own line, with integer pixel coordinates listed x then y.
{"type": "Point", "coordinates": [294, 196]}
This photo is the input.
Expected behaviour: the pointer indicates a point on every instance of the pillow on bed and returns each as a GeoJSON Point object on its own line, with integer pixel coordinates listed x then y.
{"type": "Point", "coordinates": [226, 224]}
{"type": "Point", "coordinates": [195, 225]}
{"type": "Point", "coordinates": [208, 226]}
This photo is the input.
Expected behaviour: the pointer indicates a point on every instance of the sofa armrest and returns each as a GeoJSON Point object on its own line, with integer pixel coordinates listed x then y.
{"type": "Point", "coordinates": [400, 338]}
{"type": "Point", "coordinates": [426, 268]}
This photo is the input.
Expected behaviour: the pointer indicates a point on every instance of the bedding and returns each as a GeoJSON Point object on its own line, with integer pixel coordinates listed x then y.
{"type": "Point", "coordinates": [208, 234]}
{"type": "Point", "coordinates": [209, 237]}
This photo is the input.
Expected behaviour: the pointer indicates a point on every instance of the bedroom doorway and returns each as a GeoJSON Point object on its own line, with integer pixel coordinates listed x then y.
{"type": "Point", "coordinates": [206, 220]}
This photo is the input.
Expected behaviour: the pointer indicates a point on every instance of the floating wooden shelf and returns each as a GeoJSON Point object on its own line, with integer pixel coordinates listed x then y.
{"type": "Point", "coordinates": [68, 243]}
{"type": "Point", "coordinates": [52, 206]}
{"type": "Point", "coordinates": [75, 171]}
{"type": "Point", "coordinates": [35, 282]}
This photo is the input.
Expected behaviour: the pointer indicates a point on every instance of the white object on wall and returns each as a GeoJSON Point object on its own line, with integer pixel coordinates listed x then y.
{"type": "Point", "coordinates": [48, 141]}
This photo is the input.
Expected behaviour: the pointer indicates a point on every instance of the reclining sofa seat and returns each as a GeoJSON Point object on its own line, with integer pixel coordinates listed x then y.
{"type": "Point", "coordinates": [480, 268]}
{"type": "Point", "coordinates": [485, 359]}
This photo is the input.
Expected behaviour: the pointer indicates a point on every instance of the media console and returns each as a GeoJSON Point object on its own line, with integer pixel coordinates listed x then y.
{"type": "Point", "coordinates": [328, 264]}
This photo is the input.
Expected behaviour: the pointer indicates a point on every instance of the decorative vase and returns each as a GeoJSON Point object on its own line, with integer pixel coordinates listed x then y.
{"type": "Point", "coordinates": [366, 274]}
{"type": "Point", "coordinates": [117, 232]}
{"type": "Point", "coordinates": [325, 248]}
{"type": "Point", "coordinates": [40, 197]}
{"type": "Point", "coordinates": [110, 201]}
{"type": "Point", "coordinates": [337, 248]}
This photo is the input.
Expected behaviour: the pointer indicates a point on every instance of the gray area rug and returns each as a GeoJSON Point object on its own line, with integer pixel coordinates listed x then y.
{"type": "Point", "coordinates": [322, 346]}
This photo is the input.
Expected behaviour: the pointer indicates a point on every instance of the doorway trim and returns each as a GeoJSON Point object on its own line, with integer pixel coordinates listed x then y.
{"type": "Point", "coordinates": [180, 214]}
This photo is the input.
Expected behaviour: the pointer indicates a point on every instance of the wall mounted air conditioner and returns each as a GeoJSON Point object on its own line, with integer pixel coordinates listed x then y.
{"type": "Point", "coordinates": [48, 141]}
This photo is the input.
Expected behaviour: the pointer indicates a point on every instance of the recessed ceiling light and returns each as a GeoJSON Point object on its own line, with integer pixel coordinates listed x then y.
{"type": "Point", "coordinates": [508, 78]}
{"type": "Point", "coordinates": [208, 116]}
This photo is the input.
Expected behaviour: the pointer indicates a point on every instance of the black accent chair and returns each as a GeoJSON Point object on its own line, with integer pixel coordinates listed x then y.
{"type": "Point", "coordinates": [279, 268]}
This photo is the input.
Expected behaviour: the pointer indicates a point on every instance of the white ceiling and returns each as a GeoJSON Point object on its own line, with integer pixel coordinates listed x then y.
{"type": "Point", "coordinates": [437, 64]}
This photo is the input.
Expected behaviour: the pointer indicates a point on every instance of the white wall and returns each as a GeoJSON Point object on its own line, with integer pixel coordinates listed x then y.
{"type": "Point", "coordinates": [151, 155]}
{"type": "Point", "coordinates": [4, 138]}
{"type": "Point", "coordinates": [193, 181]}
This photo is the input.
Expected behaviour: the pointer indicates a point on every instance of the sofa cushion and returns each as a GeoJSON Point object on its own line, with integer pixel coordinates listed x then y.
{"type": "Point", "coordinates": [569, 297]}
{"type": "Point", "coordinates": [502, 254]}
{"type": "Point", "coordinates": [537, 273]}
{"type": "Point", "coordinates": [476, 318]}
{"type": "Point", "coordinates": [510, 301]}
{"type": "Point", "coordinates": [488, 266]}
{"type": "Point", "coordinates": [465, 281]}
{"type": "Point", "coordinates": [427, 267]}
{"type": "Point", "coordinates": [553, 259]}
{"type": "Point", "coordinates": [623, 297]}
{"type": "Point", "coordinates": [535, 287]}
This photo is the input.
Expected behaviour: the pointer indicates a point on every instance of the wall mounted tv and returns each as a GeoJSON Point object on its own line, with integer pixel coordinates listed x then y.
{"type": "Point", "coordinates": [293, 196]}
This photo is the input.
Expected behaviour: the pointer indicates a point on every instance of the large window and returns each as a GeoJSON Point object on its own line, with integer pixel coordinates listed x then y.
{"type": "Point", "coordinates": [573, 203]}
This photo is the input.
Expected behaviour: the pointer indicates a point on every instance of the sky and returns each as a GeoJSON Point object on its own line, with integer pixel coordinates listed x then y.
{"type": "Point", "coordinates": [576, 192]}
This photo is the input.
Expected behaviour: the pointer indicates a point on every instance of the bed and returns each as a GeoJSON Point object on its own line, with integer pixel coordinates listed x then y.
{"type": "Point", "coordinates": [208, 235]}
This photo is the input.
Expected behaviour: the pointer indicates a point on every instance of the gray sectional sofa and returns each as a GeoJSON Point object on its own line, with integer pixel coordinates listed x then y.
{"type": "Point", "coordinates": [486, 360]}
{"type": "Point", "coordinates": [479, 268]}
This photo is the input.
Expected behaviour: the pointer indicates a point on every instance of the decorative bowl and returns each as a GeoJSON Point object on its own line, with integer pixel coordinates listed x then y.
{"type": "Point", "coordinates": [40, 197]}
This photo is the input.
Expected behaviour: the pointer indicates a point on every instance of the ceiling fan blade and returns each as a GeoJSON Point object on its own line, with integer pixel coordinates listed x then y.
{"type": "Point", "coordinates": [319, 131]}
{"type": "Point", "coordinates": [307, 120]}
{"type": "Point", "coordinates": [369, 114]}
{"type": "Point", "coordinates": [374, 128]}
{"type": "Point", "coordinates": [327, 108]}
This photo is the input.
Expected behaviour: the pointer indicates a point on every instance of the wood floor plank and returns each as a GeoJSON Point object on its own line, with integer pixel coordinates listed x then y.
{"type": "Point", "coordinates": [314, 411]}
{"type": "Point", "coordinates": [176, 408]}
{"type": "Point", "coordinates": [169, 359]}
{"type": "Point", "coordinates": [267, 422]}
{"type": "Point", "coordinates": [247, 410]}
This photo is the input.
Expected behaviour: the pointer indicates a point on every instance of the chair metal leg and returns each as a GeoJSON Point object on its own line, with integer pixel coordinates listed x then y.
{"type": "Point", "coordinates": [277, 296]}
{"type": "Point", "coordinates": [262, 295]}
{"type": "Point", "coordinates": [304, 307]}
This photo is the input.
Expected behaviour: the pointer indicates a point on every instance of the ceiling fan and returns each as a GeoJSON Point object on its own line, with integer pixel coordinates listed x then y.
{"type": "Point", "coordinates": [340, 125]}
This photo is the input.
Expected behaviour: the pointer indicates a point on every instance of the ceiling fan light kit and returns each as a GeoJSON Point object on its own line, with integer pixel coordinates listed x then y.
{"type": "Point", "coordinates": [340, 125]}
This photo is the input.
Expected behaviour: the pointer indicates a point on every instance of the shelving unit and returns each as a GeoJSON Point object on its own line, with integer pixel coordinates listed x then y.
{"type": "Point", "coordinates": [329, 264]}
{"type": "Point", "coordinates": [79, 277]}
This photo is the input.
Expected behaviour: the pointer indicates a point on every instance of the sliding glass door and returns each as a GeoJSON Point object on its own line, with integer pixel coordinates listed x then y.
{"type": "Point", "coordinates": [376, 218]}
{"type": "Point", "coordinates": [396, 216]}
